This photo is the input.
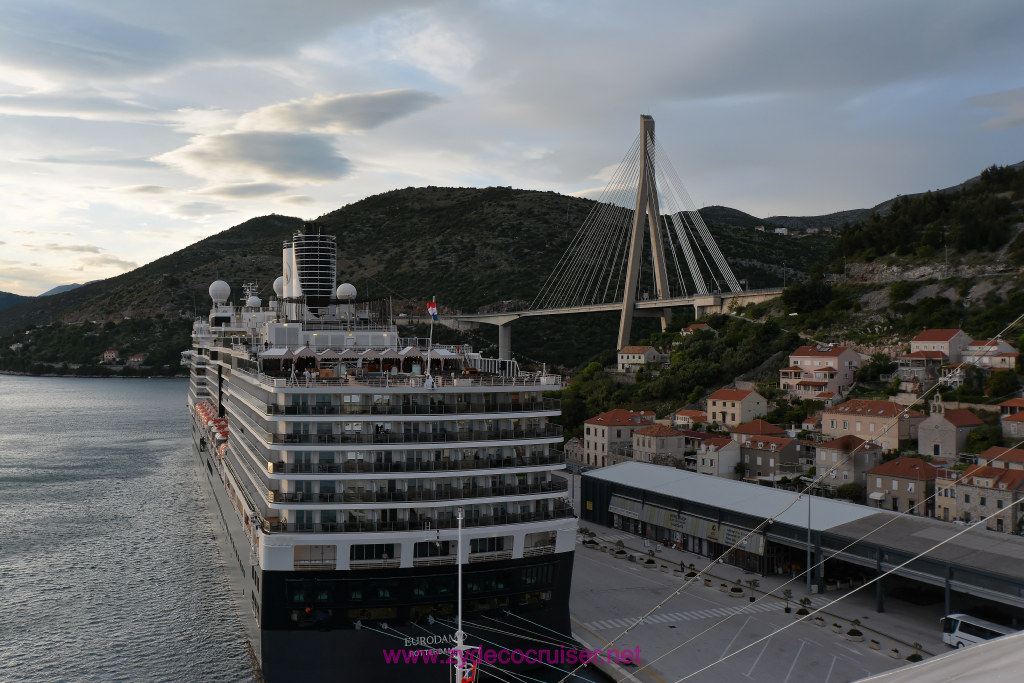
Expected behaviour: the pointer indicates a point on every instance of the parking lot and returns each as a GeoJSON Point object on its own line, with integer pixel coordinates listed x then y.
{"type": "Point", "coordinates": [609, 594]}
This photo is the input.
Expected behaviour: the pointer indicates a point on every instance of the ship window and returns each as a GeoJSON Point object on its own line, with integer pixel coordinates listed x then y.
{"type": "Point", "coordinates": [432, 549]}
{"type": "Point", "coordinates": [379, 551]}
{"type": "Point", "coordinates": [537, 576]}
{"type": "Point", "coordinates": [486, 545]}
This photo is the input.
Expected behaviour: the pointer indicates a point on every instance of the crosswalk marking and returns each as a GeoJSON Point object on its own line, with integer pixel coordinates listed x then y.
{"type": "Point", "coordinates": [669, 617]}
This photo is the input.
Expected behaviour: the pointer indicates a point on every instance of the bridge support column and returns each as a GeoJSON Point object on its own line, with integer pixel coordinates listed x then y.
{"type": "Point", "coordinates": [505, 341]}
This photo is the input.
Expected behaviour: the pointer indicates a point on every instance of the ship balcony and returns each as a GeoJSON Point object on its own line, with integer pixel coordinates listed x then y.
{"type": "Point", "coordinates": [369, 467]}
{"type": "Point", "coordinates": [547, 431]}
{"type": "Point", "coordinates": [559, 511]}
{"type": "Point", "coordinates": [416, 495]}
{"type": "Point", "coordinates": [410, 409]}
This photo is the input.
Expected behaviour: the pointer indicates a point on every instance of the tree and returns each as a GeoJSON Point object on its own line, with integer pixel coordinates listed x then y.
{"type": "Point", "coordinates": [852, 491]}
{"type": "Point", "coordinates": [1001, 383]}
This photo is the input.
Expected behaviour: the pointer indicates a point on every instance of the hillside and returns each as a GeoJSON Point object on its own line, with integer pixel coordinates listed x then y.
{"type": "Point", "coordinates": [8, 299]}
{"type": "Point", "coordinates": [472, 248]}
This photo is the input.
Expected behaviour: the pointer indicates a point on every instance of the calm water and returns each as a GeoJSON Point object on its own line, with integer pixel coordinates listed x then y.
{"type": "Point", "coordinates": [108, 568]}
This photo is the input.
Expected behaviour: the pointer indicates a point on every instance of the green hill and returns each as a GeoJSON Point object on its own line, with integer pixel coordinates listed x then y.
{"type": "Point", "coordinates": [472, 248]}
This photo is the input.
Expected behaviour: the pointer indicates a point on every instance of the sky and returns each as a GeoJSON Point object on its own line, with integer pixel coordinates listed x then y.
{"type": "Point", "coordinates": [130, 129]}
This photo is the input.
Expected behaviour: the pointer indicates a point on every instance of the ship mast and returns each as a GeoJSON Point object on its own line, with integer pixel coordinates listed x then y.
{"type": "Point", "coordinates": [465, 670]}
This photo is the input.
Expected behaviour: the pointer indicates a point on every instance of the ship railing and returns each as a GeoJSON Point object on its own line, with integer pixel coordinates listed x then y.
{"type": "Point", "coordinates": [538, 550]}
{"type": "Point", "coordinates": [440, 436]}
{"type": "Point", "coordinates": [364, 466]}
{"type": "Point", "coordinates": [490, 556]}
{"type": "Point", "coordinates": [445, 493]}
{"type": "Point", "coordinates": [279, 380]}
{"type": "Point", "coordinates": [374, 564]}
{"type": "Point", "coordinates": [461, 408]}
{"type": "Point", "coordinates": [433, 561]}
{"type": "Point", "coordinates": [560, 511]}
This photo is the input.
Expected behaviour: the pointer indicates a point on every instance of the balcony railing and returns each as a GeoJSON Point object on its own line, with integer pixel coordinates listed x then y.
{"type": "Point", "coordinates": [412, 495]}
{"type": "Point", "coordinates": [461, 408]}
{"type": "Point", "coordinates": [441, 436]}
{"type": "Point", "coordinates": [546, 382]}
{"type": "Point", "coordinates": [559, 512]}
{"type": "Point", "coordinates": [369, 467]}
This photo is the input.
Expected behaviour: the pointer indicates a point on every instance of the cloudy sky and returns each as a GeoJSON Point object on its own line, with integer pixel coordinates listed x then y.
{"type": "Point", "coordinates": [129, 129]}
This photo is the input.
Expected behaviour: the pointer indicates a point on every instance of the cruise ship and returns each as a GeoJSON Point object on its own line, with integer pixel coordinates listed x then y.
{"type": "Point", "coordinates": [337, 458]}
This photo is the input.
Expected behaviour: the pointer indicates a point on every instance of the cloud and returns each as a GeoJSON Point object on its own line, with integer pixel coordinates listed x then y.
{"type": "Point", "coordinates": [245, 190]}
{"type": "Point", "coordinates": [145, 189]}
{"type": "Point", "coordinates": [260, 155]}
{"type": "Point", "coordinates": [298, 199]}
{"type": "Point", "coordinates": [340, 113]}
{"type": "Point", "coordinates": [89, 107]}
{"type": "Point", "coordinates": [1010, 103]}
{"type": "Point", "coordinates": [52, 246]}
{"type": "Point", "coordinates": [107, 260]}
{"type": "Point", "coordinates": [96, 159]}
{"type": "Point", "coordinates": [199, 209]}
{"type": "Point", "coordinates": [74, 42]}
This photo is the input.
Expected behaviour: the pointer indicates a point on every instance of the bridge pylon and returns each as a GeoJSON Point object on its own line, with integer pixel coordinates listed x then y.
{"type": "Point", "coordinates": [646, 209]}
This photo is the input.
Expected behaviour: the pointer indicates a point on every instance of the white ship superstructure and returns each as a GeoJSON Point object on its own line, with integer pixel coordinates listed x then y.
{"type": "Point", "coordinates": [347, 450]}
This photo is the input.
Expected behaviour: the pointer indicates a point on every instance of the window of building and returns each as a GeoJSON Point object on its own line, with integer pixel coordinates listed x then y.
{"type": "Point", "coordinates": [846, 424]}
{"type": "Point", "coordinates": [878, 482]}
{"type": "Point", "coordinates": [983, 501]}
{"type": "Point", "coordinates": [967, 498]}
{"type": "Point", "coordinates": [895, 485]}
{"type": "Point", "coordinates": [999, 505]}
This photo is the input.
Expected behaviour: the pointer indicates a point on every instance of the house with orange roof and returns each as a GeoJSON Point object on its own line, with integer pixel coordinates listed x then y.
{"type": "Point", "coordinates": [1001, 456]}
{"type": "Point", "coordinates": [686, 418]}
{"type": "Point", "coordinates": [950, 343]}
{"type": "Point", "coordinates": [756, 427]}
{"type": "Point", "coordinates": [633, 358]}
{"type": "Point", "coordinates": [814, 370]}
{"type": "Point", "coordinates": [984, 491]}
{"type": "Point", "coordinates": [658, 444]}
{"type": "Point", "coordinates": [929, 351]}
{"type": "Point", "coordinates": [767, 459]}
{"type": "Point", "coordinates": [846, 460]}
{"type": "Point", "coordinates": [903, 485]}
{"type": "Point", "coordinates": [943, 434]}
{"type": "Point", "coordinates": [1014, 405]}
{"type": "Point", "coordinates": [991, 354]}
{"type": "Point", "coordinates": [885, 422]}
{"type": "Point", "coordinates": [1012, 425]}
{"type": "Point", "coordinates": [696, 327]}
{"type": "Point", "coordinates": [718, 457]}
{"type": "Point", "coordinates": [811, 423]}
{"type": "Point", "coordinates": [111, 355]}
{"type": "Point", "coordinates": [610, 431]}
{"type": "Point", "coordinates": [732, 407]}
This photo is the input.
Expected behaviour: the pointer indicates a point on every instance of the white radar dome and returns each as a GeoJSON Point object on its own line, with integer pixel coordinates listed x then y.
{"type": "Point", "coordinates": [253, 302]}
{"type": "Point", "coordinates": [220, 291]}
{"type": "Point", "coordinates": [346, 291]}
{"type": "Point", "coordinates": [279, 286]}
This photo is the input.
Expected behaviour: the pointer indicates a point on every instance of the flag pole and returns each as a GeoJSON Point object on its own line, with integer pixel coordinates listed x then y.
{"type": "Point", "coordinates": [430, 341]}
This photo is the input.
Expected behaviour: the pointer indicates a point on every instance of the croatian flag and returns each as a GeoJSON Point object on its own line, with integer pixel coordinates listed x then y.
{"type": "Point", "coordinates": [432, 309]}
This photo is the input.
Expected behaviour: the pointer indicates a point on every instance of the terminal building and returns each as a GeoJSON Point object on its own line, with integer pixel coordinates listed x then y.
{"type": "Point", "coordinates": [768, 531]}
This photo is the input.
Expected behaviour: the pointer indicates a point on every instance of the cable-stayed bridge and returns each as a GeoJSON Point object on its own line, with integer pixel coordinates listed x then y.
{"type": "Point", "coordinates": [643, 250]}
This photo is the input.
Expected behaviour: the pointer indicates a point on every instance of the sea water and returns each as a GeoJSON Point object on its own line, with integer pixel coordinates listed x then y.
{"type": "Point", "coordinates": [108, 568]}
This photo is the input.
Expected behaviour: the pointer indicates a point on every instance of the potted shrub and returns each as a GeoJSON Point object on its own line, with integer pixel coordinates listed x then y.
{"type": "Point", "coordinates": [620, 554]}
{"type": "Point", "coordinates": [915, 656]}
{"type": "Point", "coordinates": [819, 621]}
{"type": "Point", "coordinates": [753, 583]}
{"type": "Point", "coordinates": [650, 563]}
{"type": "Point", "coordinates": [837, 628]}
{"type": "Point", "coordinates": [894, 653]}
{"type": "Point", "coordinates": [708, 582]}
{"type": "Point", "coordinates": [801, 613]}
{"type": "Point", "coordinates": [737, 590]}
{"type": "Point", "coordinates": [723, 588]}
{"type": "Point", "coordinates": [874, 644]}
{"type": "Point", "coordinates": [787, 595]}
{"type": "Point", "coordinates": [855, 635]}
